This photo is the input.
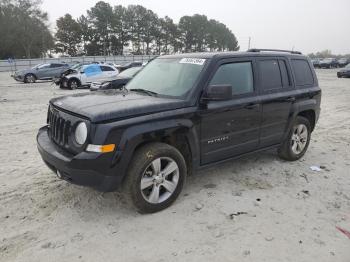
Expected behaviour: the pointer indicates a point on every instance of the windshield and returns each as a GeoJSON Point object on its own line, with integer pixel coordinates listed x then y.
{"type": "Point", "coordinates": [348, 66]}
{"type": "Point", "coordinates": [44, 66]}
{"type": "Point", "coordinates": [168, 76]}
{"type": "Point", "coordinates": [130, 72]}
{"type": "Point", "coordinates": [39, 65]}
{"type": "Point", "coordinates": [76, 66]}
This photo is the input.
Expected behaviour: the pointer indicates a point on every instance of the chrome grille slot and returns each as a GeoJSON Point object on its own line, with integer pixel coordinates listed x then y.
{"type": "Point", "coordinates": [58, 127]}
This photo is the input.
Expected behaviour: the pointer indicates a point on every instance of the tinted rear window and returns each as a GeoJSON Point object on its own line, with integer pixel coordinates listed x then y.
{"type": "Point", "coordinates": [106, 68]}
{"type": "Point", "coordinates": [303, 73]}
{"type": "Point", "coordinates": [56, 65]}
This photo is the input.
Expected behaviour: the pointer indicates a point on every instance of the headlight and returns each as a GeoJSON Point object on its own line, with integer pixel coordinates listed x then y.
{"type": "Point", "coordinates": [81, 133]}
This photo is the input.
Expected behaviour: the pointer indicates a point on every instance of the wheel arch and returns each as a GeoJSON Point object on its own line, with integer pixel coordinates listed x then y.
{"type": "Point", "coordinates": [180, 134]}
{"type": "Point", "coordinates": [310, 115]}
{"type": "Point", "coordinates": [27, 74]}
{"type": "Point", "coordinates": [177, 139]}
{"type": "Point", "coordinates": [74, 78]}
{"type": "Point", "coordinates": [305, 108]}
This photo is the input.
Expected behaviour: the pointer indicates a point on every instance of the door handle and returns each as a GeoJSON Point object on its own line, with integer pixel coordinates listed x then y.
{"type": "Point", "coordinates": [251, 106]}
{"type": "Point", "coordinates": [290, 99]}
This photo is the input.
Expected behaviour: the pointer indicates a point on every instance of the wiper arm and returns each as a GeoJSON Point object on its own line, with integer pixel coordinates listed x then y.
{"type": "Point", "coordinates": [150, 93]}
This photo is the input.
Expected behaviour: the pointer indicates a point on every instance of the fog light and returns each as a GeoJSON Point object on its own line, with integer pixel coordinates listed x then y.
{"type": "Point", "coordinates": [101, 148]}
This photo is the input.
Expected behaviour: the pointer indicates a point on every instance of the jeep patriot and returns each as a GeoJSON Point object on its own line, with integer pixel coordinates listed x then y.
{"type": "Point", "coordinates": [179, 114]}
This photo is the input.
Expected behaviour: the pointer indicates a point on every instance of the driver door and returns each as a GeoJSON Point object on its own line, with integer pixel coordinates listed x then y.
{"type": "Point", "coordinates": [231, 127]}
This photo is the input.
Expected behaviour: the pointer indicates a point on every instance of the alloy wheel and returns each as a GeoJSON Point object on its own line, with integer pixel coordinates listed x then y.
{"type": "Point", "coordinates": [159, 180]}
{"type": "Point", "coordinates": [299, 138]}
{"type": "Point", "coordinates": [30, 78]}
{"type": "Point", "coordinates": [74, 84]}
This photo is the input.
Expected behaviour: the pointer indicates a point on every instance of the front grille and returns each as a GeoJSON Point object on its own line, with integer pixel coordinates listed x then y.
{"type": "Point", "coordinates": [59, 128]}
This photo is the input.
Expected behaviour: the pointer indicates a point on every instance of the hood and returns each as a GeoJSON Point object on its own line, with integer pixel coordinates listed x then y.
{"type": "Point", "coordinates": [69, 74]}
{"type": "Point", "coordinates": [24, 71]}
{"type": "Point", "coordinates": [344, 70]}
{"type": "Point", "coordinates": [113, 104]}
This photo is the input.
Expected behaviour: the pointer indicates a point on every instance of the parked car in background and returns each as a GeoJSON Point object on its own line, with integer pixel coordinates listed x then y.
{"type": "Point", "coordinates": [342, 62]}
{"type": "Point", "coordinates": [122, 79]}
{"type": "Point", "coordinates": [316, 62]}
{"type": "Point", "coordinates": [86, 74]}
{"type": "Point", "coordinates": [329, 63]}
{"type": "Point", "coordinates": [111, 64]}
{"type": "Point", "coordinates": [74, 68]}
{"type": "Point", "coordinates": [344, 72]}
{"type": "Point", "coordinates": [128, 65]}
{"type": "Point", "coordinates": [40, 72]}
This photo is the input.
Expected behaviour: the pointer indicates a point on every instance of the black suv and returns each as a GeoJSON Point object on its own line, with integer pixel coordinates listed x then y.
{"type": "Point", "coordinates": [179, 114]}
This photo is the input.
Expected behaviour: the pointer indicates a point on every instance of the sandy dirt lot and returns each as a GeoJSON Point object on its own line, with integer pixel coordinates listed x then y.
{"type": "Point", "coordinates": [258, 208]}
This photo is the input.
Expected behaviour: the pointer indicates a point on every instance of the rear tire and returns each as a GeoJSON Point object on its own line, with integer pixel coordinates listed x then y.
{"type": "Point", "coordinates": [29, 78]}
{"type": "Point", "coordinates": [155, 178]}
{"type": "Point", "coordinates": [297, 141]}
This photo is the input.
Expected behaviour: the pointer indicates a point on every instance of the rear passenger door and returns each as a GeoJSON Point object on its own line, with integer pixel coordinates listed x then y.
{"type": "Point", "coordinates": [230, 128]}
{"type": "Point", "coordinates": [277, 95]}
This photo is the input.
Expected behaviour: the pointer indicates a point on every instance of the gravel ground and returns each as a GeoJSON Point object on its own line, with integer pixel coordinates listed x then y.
{"type": "Point", "coordinates": [258, 208]}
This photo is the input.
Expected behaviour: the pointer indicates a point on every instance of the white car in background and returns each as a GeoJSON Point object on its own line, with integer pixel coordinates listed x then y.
{"type": "Point", "coordinates": [86, 74]}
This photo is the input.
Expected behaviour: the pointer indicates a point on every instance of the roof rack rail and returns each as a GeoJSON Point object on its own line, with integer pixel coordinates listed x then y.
{"type": "Point", "coordinates": [273, 50]}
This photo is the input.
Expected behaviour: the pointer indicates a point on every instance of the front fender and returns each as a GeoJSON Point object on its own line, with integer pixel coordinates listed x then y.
{"type": "Point", "coordinates": [136, 135]}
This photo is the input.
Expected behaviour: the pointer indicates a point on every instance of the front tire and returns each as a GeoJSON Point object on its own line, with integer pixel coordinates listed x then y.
{"type": "Point", "coordinates": [155, 177]}
{"type": "Point", "coordinates": [73, 84]}
{"type": "Point", "coordinates": [297, 142]}
{"type": "Point", "coordinates": [29, 78]}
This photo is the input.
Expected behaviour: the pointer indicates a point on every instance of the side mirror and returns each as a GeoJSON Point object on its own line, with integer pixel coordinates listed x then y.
{"type": "Point", "coordinates": [217, 93]}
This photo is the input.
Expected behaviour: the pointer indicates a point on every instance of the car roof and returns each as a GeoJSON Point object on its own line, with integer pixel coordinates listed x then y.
{"type": "Point", "coordinates": [209, 55]}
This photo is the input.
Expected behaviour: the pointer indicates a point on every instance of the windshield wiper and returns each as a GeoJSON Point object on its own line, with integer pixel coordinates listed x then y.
{"type": "Point", "coordinates": [150, 93]}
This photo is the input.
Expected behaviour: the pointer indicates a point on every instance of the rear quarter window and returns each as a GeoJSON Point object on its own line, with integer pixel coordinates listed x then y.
{"type": "Point", "coordinates": [107, 68]}
{"type": "Point", "coordinates": [302, 72]}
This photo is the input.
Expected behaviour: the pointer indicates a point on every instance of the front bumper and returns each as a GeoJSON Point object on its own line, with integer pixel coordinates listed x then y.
{"type": "Point", "coordinates": [18, 78]}
{"type": "Point", "coordinates": [86, 169]}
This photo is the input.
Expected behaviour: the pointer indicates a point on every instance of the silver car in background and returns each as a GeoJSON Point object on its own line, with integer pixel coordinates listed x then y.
{"type": "Point", "coordinates": [40, 72]}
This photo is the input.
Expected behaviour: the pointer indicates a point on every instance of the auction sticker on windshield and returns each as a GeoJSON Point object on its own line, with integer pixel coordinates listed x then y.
{"type": "Point", "coordinates": [194, 61]}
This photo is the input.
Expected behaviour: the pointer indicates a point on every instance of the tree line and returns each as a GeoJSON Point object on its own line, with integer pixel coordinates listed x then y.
{"type": "Point", "coordinates": [106, 30]}
{"type": "Point", "coordinates": [24, 31]}
{"type": "Point", "coordinates": [326, 54]}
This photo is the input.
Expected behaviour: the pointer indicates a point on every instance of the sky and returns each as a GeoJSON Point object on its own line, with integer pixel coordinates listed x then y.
{"type": "Point", "coordinates": [303, 25]}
